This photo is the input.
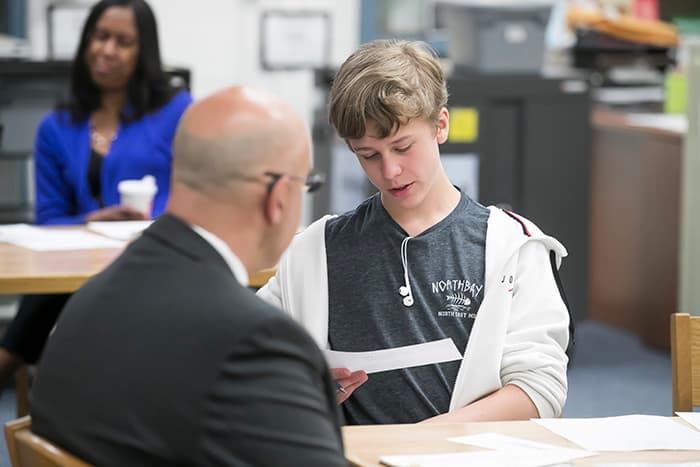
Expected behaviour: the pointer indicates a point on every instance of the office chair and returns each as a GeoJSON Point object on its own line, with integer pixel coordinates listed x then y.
{"type": "Point", "coordinates": [29, 450]}
{"type": "Point", "coordinates": [22, 383]}
{"type": "Point", "coordinates": [685, 361]}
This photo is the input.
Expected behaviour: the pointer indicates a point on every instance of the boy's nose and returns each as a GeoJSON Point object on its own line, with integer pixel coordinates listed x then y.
{"type": "Point", "coordinates": [391, 167]}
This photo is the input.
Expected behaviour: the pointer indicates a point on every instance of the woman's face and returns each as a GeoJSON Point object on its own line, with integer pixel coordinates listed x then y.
{"type": "Point", "coordinates": [113, 49]}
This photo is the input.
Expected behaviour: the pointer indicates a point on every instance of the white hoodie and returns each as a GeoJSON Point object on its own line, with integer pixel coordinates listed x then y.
{"type": "Point", "coordinates": [520, 332]}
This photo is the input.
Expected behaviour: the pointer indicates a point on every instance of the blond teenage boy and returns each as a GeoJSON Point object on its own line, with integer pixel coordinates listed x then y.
{"type": "Point", "coordinates": [420, 261]}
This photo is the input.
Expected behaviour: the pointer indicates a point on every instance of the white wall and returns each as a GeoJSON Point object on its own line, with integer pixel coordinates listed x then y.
{"type": "Point", "coordinates": [218, 41]}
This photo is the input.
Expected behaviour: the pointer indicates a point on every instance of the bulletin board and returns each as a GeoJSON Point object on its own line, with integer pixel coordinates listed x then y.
{"type": "Point", "coordinates": [65, 23]}
{"type": "Point", "coordinates": [292, 40]}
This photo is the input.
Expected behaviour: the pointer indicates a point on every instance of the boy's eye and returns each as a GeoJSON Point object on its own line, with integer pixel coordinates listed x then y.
{"type": "Point", "coordinates": [404, 149]}
{"type": "Point", "coordinates": [368, 157]}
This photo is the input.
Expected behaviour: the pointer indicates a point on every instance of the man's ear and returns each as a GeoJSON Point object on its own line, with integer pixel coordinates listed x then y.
{"type": "Point", "coordinates": [275, 202]}
{"type": "Point", "coordinates": [443, 126]}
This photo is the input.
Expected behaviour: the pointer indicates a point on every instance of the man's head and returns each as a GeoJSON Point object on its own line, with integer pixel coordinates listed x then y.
{"type": "Point", "coordinates": [241, 158]}
{"type": "Point", "coordinates": [387, 82]}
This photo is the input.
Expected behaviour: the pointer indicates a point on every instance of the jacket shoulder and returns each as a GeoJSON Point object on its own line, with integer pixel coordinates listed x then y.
{"type": "Point", "coordinates": [513, 222]}
{"type": "Point", "coordinates": [507, 227]}
{"type": "Point", "coordinates": [179, 102]}
{"type": "Point", "coordinates": [55, 120]}
{"type": "Point", "coordinates": [311, 236]}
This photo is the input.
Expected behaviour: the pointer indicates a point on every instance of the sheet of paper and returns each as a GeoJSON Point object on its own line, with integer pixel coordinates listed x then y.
{"type": "Point", "coordinates": [41, 239]}
{"type": "Point", "coordinates": [499, 442]}
{"type": "Point", "coordinates": [439, 351]}
{"type": "Point", "coordinates": [629, 94]}
{"type": "Point", "coordinates": [691, 417]}
{"type": "Point", "coordinates": [477, 459]}
{"type": "Point", "coordinates": [626, 433]}
{"type": "Point", "coordinates": [647, 464]}
{"type": "Point", "coordinates": [669, 122]}
{"type": "Point", "coordinates": [121, 230]}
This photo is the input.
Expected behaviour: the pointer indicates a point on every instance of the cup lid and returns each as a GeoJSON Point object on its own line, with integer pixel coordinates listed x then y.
{"type": "Point", "coordinates": [146, 185]}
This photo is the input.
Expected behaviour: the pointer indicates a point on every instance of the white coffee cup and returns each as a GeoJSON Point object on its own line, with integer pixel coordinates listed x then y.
{"type": "Point", "coordinates": [138, 194]}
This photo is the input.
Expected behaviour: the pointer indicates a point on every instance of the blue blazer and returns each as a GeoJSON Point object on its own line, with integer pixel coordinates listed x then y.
{"type": "Point", "coordinates": [62, 153]}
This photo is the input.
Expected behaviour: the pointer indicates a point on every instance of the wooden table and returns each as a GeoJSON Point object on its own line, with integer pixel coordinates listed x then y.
{"type": "Point", "coordinates": [365, 444]}
{"type": "Point", "coordinates": [24, 271]}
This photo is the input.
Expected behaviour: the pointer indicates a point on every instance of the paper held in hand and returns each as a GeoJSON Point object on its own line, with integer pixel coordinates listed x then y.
{"type": "Point", "coordinates": [439, 351]}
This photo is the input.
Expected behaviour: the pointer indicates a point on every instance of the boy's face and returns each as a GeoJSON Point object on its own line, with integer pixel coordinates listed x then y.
{"type": "Point", "coordinates": [404, 166]}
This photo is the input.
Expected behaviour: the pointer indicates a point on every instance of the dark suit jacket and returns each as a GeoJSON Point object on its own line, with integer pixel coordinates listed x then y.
{"type": "Point", "coordinates": [165, 359]}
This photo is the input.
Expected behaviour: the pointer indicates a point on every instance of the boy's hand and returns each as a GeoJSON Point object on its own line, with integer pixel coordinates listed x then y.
{"type": "Point", "coordinates": [348, 380]}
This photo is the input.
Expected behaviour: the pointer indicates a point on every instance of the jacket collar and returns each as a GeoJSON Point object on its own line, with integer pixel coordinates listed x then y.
{"type": "Point", "coordinates": [173, 231]}
{"type": "Point", "coordinates": [233, 261]}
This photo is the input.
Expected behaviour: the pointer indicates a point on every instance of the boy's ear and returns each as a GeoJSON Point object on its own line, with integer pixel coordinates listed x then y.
{"type": "Point", "coordinates": [442, 134]}
{"type": "Point", "coordinates": [443, 126]}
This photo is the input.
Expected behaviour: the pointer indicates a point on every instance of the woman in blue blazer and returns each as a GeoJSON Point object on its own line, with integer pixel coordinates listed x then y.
{"type": "Point", "coordinates": [118, 124]}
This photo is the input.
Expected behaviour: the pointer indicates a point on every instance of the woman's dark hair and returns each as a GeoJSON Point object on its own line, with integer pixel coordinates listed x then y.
{"type": "Point", "coordinates": [148, 88]}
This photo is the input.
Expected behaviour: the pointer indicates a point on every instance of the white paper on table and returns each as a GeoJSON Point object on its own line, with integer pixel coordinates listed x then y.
{"type": "Point", "coordinates": [648, 464]}
{"type": "Point", "coordinates": [669, 122]}
{"type": "Point", "coordinates": [505, 443]}
{"type": "Point", "coordinates": [40, 239]}
{"type": "Point", "coordinates": [120, 230]}
{"type": "Point", "coordinates": [625, 433]}
{"type": "Point", "coordinates": [691, 417]}
{"type": "Point", "coordinates": [477, 459]}
{"type": "Point", "coordinates": [443, 350]}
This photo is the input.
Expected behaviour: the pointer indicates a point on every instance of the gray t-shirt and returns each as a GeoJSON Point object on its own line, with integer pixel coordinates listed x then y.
{"type": "Point", "coordinates": [366, 311]}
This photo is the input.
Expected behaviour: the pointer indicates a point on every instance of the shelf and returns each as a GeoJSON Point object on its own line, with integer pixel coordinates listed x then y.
{"type": "Point", "coordinates": [15, 155]}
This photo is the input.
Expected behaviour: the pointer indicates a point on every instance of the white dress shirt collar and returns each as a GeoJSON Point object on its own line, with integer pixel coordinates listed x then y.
{"type": "Point", "coordinates": [235, 264]}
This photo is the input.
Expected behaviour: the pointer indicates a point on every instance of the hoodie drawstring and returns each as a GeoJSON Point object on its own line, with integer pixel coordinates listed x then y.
{"type": "Point", "coordinates": [405, 290]}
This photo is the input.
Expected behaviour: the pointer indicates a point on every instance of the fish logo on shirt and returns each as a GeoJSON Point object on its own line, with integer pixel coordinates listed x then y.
{"type": "Point", "coordinates": [458, 302]}
{"type": "Point", "coordinates": [459, 295]}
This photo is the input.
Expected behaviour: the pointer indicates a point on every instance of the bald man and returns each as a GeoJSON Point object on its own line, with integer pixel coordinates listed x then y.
{"type": "Point", "coordinates": [166, 357]}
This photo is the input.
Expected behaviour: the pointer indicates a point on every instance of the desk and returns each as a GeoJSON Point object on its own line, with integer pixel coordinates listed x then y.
{"type": "Point", "coordinates": [635, 222]}
{"type": "Point", "coordinates": [24, 271]}
{"type": "Point", "coordinates": [365, 444]}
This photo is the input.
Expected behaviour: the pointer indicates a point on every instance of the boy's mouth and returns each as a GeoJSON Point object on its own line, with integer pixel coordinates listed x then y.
{"type": "Point", "coordinates": [398, 191]}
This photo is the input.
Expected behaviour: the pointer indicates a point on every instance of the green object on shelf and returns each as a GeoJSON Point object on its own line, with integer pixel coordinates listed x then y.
{"type": "Point", "coordinates": [687, 25]}
{"type": "Point", "coordinates": [676, 92]}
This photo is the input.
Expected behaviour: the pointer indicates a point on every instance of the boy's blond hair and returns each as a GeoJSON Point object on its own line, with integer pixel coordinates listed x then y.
{"type": "Point", "coordinates": [388, 82]}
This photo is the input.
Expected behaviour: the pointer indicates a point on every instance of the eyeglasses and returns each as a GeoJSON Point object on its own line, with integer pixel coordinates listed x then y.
{"type": "Point", "coordinates": [313, 182]}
